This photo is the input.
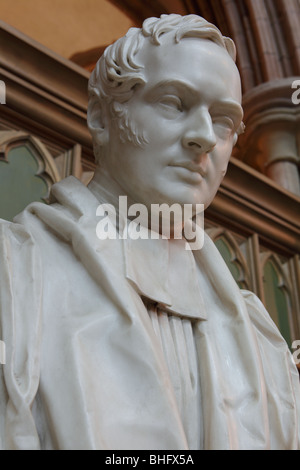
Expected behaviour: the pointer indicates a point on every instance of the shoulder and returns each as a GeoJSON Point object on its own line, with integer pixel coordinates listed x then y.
{"type": "Point", "coordinates": [262, 320]}
{"type": "Point", "coordinates": [273, 347]}
{"type": "Point", "coordinates": [282, 378]}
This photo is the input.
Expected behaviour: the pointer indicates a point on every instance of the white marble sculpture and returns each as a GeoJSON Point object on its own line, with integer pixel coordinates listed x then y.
{"type": "Point", "coordinates": [142, 343]}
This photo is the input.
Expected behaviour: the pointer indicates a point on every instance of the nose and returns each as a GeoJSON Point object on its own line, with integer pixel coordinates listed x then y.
{"type": "Point", "coordinates": [199, 134]}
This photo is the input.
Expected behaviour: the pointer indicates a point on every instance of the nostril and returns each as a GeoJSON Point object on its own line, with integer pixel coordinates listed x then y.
{"type": "Point", "coordinates": [192, 144]}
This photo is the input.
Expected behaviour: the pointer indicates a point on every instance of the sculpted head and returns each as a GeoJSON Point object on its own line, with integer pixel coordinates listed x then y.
{"type": "Point", "coordinates": [165, 110]}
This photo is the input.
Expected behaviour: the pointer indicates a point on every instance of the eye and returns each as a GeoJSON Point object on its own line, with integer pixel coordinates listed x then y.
{"type": "Point", "coordinates": [224, 126]}
{"type": "Point", "coordinates": [224, 121]}
{"type": "Point", "coordinates": [171, 102]}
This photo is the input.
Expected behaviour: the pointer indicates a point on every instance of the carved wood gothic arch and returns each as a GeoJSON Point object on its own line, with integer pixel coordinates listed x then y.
{"type": "Point", "coordinates": [237, 258]}
{"type": "Point", "coordinates": [283, 281]}
{"type": "Point", "coordinates": [47, 169]}
{"type": "Point", "coordinates": [281, 313]}
{"type": "Point", "coordinates": [27, 172]}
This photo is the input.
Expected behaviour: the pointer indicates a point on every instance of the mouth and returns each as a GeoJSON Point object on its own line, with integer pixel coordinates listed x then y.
{"type": "Point", "coordinates": [191, 166]}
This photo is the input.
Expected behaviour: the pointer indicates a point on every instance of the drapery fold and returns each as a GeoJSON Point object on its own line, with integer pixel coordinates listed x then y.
{"type": "Point", "coordinates": [21, 279]}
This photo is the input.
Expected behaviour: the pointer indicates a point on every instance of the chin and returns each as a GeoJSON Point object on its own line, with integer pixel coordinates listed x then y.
{"type": "Point", "coordinates": [199, 199]}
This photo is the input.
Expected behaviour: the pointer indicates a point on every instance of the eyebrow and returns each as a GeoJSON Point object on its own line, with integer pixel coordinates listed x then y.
{"type": "Point", "coordinates": [228, 104]}
{"type": "Point", "coordinates": [175, 83]}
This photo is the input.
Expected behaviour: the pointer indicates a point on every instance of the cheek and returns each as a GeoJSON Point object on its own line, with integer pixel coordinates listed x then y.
{"type": "Point", "coordinates": [221, 156]}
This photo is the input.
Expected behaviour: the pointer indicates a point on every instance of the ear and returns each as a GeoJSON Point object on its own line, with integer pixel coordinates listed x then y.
{"type": "Point", "coordinates": [97, 121]}
{"type": "Point", "coordinates": [235, 139]}
{"type": "Point", "coordinates": [239, 132]}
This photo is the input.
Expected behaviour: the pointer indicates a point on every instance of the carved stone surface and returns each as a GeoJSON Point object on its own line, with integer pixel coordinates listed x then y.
{"type": "Point", "coordinates": [142, 342]}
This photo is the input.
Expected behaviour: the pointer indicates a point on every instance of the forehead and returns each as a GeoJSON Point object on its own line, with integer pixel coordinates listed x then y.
{"type": "Point", "coordinates": [201, 64]}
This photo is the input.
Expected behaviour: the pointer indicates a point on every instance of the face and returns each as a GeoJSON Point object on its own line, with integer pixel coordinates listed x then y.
{"type": "Point", "coordinates": [189, 112]}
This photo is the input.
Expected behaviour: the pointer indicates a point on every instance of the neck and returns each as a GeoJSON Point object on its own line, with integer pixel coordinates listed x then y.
{"type": "Point", "coordinates": [107, 190]}
{"type": "Point", "coordinates": [103, 186]}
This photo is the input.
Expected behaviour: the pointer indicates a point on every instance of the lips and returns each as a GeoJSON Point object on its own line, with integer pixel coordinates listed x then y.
{"type": "Point", "coordinates": [191, 166]}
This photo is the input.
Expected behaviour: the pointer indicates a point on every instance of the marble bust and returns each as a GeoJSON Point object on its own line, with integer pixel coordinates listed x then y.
{"type": "Point", "coordinates": [140, 343]}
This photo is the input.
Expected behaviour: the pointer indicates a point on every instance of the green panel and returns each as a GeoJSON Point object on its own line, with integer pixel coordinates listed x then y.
{"type": "Point", "coordinates": [276, 301]}
{"type": "Point", "coordinates": [227, 256]}
{"type": "Point", "coordinates": [19, 184]}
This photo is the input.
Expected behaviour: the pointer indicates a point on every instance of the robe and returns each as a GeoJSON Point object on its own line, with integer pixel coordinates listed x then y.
{"type": "Point", "coordinates": [87, 366]}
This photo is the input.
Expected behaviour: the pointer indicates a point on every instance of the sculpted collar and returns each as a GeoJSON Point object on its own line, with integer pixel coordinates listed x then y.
{"type": "Point", "coordinates": [165, 272]}
{"type": "Point", "coordinates": [161, 270]}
